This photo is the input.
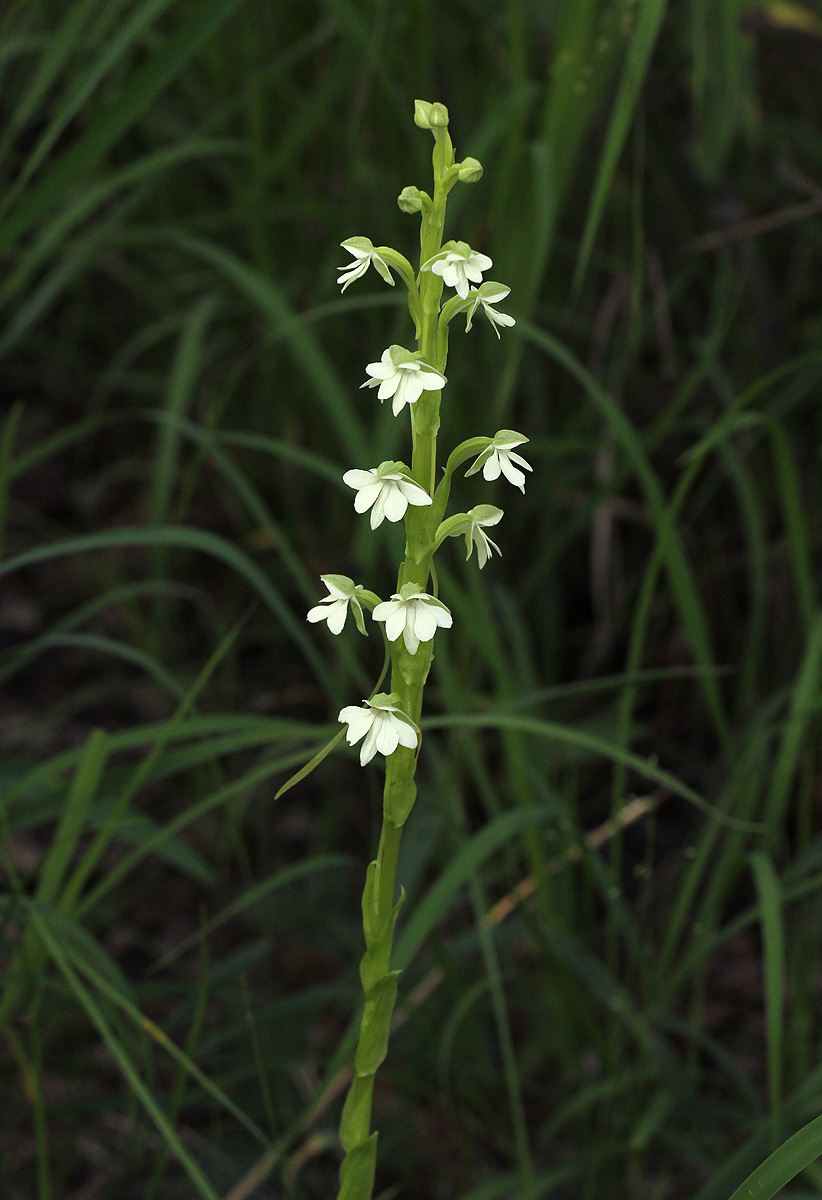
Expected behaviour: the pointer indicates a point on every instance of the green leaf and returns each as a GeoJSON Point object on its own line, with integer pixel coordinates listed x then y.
{"type": "Point", "coordinates": [358, 1170]}
{"type": "Point", "coordinates": [310, 765]}
{"type": "Point", "coordinates": [804, 1148]}
{"type": "Point", "coordinates": [376, 1024]}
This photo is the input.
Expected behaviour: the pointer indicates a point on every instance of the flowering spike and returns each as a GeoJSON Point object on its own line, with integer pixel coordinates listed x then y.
{"type": "Point", "coordinates": [385, 723]}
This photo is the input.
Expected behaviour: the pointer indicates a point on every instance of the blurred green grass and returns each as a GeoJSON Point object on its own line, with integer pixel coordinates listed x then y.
{"type": "Point", "coordinates": [181, 381]}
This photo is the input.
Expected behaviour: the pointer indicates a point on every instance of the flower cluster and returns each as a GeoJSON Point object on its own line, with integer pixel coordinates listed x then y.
{"type": "Point", "coordinates": [392, 491]}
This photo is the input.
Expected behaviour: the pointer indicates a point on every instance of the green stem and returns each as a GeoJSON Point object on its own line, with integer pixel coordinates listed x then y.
{"type": "Point", "coordinates": [408, 675]}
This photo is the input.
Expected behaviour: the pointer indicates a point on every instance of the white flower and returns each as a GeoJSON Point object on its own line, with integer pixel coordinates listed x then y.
{"type": "Point", "coordinates": [414, 615]}
{"type": "Point", "coordinates": [481, 517]}
{"type": "Point", "coordinates": [487, 295]}
{"type": "Point", "coordinates": [499, 457]}
{"type": "Point", "coordinates": [388, 488]}
{"type": "Point", "coordinates": [364, 254]}
{"type": "Point", "coordinates": [457, 264]}
{"type": "Point", "coordinates": [333, 608]}
{"type": "Point", "coordinates": [401, 375]}
{"type": "Point", "coordinates": [383, 725]}
{"type": "Point", "coordinates": [473, 524]}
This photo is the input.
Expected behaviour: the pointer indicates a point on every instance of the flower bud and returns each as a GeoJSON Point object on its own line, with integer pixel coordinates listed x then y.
{"type": "Point", "coordinates": [469, 170]}
{"type": "Point", "coordinates": [410, 199]}
{"type": "Point", "coordinates": [430, 116]}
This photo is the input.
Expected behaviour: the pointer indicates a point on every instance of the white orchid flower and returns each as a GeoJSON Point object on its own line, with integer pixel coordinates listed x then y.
{"type": "Point", "coordinates": [364, 254]}
{"type": "Point", "coordinates": [458, 264]}
{"type": "Point", "coordinates": [499, 457]}
{"type": "Point", "coordinates": [333, 608]}
{"type": "Point", "coordinates": [412, 614]}
{"type": "Point", "coordinates": [400, 374]}
{"type": "Point", "coordinates": [481, 517]}
{"type": "Point", "coordinates": [473, 524]}
{"type": "Point", "coordinates": [387, 490]}
{"type": "Point", "coordinates": [383, 725]}
{"type": "Point", "coordinates": [487, 295]}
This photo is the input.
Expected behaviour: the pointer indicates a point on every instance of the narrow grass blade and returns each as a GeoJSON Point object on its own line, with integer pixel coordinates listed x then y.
{"type": "Point", "coordinates": [132, 655]}
{"type": "Point", "coordinates": [649, 20]}
{"type": "Point", "coordinates": [773, 943]}
{"type": "Point", "coordinates": [82, 791]}
{"type": "Point", "coordinates": [307, 350]}
{"type": "Point", "coordinates": [237, 787]}
{"type": "Point", "coordinates": [83, 82]}
{"type": "Point", "coordinates": [184, 538]}
{"type": "Point", "coordinates": [683, 584]}
{"type": "Point", "coordinates": [804, 703]}
{"type": "Point", "coordinates": [252, 896]}
{"type": "Point", "coordinates": [73, 888]}
{"type": "Point", "coordinates": [118, 1052]}
{"type": "Point", "coordinates": [804, 1148]}
{"type": "Point", "coordinates": [188, 362]}
{"type": "Point", "coordinates": [111, 124]}
{"type": "Point", "coordinates": [460, 870]}
{"type": "Point", "coordinates": [598, 746]}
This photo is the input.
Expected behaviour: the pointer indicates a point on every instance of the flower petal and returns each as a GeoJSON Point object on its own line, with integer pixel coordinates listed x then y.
{"type": "Point", "coordinates": [491, 468]}
{"type": "Point", "coordinates": [359, 479]}
{"type": "Point", "coordinates": [395, 624]}
{"type": "Point", "coordinates": [412, 642]}
{"type": "Point", "coordinates": [413, 493]}
{"type": "Point", "coordinates": [337, 612]}
{"type": "Point", "coordinates": [366, 496]}
{"type": "Point", "coordinates": [431, 380]}
{"type": "Point", "coordinates": [511, 473]}
{"type": "Point", "coordinates": [359, 722]}
{"type": "Point", "coordinates": [425, 624]}
{"type": "Point", "coordinates": [389, 387]}
{"type": "Point", "coordinates": [406, 733]}
{"type": "Point", "coordinates": [378, 511]}
{"type": "Point", "coordinates": [369, 746]}
{"type": "Point", "coordinates": [395, 503]}
{"type": "Point", "coordinates": [380, 370]}
{"type": "Point", "coordinates": [387, 735]}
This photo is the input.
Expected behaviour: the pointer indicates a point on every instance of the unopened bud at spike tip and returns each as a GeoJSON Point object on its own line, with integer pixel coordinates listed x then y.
{"type": "Point", "coordinates": [430, 116]}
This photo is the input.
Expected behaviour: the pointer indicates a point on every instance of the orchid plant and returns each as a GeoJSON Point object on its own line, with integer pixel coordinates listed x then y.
{"type": "Point", "coordinates": [389, 723]}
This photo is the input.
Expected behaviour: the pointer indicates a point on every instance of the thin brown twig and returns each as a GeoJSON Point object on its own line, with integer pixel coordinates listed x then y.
{"type": "Point", "coordinates": [752, 227]}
